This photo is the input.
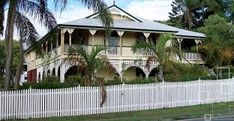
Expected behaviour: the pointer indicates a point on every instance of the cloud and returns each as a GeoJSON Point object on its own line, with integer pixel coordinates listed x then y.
{"type": "Point", "coordinates": [71, 13]}
{"type": "Point", "coordinates": [150, 9]}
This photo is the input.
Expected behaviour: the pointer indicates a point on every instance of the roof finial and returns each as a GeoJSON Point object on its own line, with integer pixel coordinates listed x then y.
{"type": "Point", "coordinates": [113, 2]}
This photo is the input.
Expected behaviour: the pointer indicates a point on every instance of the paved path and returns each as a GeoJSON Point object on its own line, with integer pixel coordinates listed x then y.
{"type": "Point", "coordinates": [217, 118]}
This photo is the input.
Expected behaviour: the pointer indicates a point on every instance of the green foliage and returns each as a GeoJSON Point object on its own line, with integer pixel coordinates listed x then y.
{"type": "Point", "coordinates": [44, 85]}
{"type": "Point", "coordinates": [51, 82]}
{"type": "Point", "coordinates": [52, 79]}
{"type": "Point", "coordinates": [75, 80]}
{"type": "Point", "coordinates": [192, 13]}
{"type": "Point", "coordinates": [217, 29]}
{"type": "Point", "coordinates": [15, 60]}
{"type": "Point", "coordinates": [113, 82]}
{"type": "Point", "coordinates": [161, 53]}
{"type": "Point", "coordinates": [185, 72]}
{"type": "Point", "coordinates": [219, 44]}
{"type": "Point", "coordinates": [89, 61]}
{"type": "Point", "coordinates": [1, 82]}
{"type": "Point", "coordinates": [141, 81]}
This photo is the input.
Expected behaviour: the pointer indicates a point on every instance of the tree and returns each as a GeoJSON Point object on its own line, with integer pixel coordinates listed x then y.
{"type": "Point", "coordinates": [36, 9]}
{"type": "Point", "coordinates": [15, 59]}
{"type": "Point", "coordinates": [90, 63]}
{"type": "Point", "coordinates": [2, 56]}
{"type": "Point", "coordinates": [192, 12]}
{"type": "Point", "coordinates": [228, 8]}
{"type": "Point", "coordinates": [28, 34]}
{"type": "Point", "coordinates": [218, 47]}
{"type": "Point", "coordinates": [161, 53]}
{"type": "Point", "coordinates": [2, 4]}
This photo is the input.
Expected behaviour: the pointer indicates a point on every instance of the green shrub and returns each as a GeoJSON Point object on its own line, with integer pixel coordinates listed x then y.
{"type": "Point", "coordinates": [51, 82]}
{"type": "Point", "coordinates": [1, 82]}
{"type": "Point", "coordinates": [51, 79]}
{"type": "Point", "coordinates": [185, 72]}
{"type": "Point", "coordinates": [141, 81]}
{"type": "Point", "coordinates": [113, 82]}
{"type": "Point", "coordinates": [75, 80]}
{"type": "Point", "coordinates": [44, 85]}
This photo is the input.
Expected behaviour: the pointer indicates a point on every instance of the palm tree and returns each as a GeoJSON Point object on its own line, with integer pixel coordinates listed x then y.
{"type": "Point", "coordinates": [161, 53]}
{"type": "Point", "coordinates": [2, 4]}
{"type": "Point", "coordinates": [36, 9]}
{"type": "Point", "coordinates": [39, 10]}
{"type": "Point", "coordinates": [90, 63]}
{"type": "Point", "coordinates": [28, 34]}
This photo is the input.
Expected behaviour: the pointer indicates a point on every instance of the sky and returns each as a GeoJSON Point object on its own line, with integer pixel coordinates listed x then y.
{"type": "Point", "coordinates": [148, 9]}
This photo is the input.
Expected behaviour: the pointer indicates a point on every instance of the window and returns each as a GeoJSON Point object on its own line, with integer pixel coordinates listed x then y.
{"type": "Point", "coordinates": [113, 43]}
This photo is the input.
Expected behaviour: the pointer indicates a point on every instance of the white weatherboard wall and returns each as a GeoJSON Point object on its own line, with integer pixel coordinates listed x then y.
{"type": "Point", "coordinates": [36, 103]}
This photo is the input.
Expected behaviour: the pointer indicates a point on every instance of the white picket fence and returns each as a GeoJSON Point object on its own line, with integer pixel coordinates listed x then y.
{"type": "Point", "coordinates": [39, 103]}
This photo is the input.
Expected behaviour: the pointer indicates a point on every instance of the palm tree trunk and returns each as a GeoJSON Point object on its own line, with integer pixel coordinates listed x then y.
{"type": "Point", "coordinates": [9, 41]}
{"type": "Point", "coordinates": [190, 19]}
{"type": "Point", "coordinates": [20, 66]}
{"type": "Point", "coordinates": [160, 75]}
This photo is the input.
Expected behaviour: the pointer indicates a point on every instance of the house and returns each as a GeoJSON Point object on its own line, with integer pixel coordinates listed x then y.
{"type": "Point", "coordinates": [89, 31]}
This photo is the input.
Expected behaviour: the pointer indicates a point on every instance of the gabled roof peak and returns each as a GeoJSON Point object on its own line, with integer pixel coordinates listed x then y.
{"type": "Point", "coordinates": [114, 9]}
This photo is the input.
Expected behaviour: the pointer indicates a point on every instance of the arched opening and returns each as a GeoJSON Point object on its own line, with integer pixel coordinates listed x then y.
{"type": "Point", "coordinates": [43, 75]}
{"type": "Point", "coordinates": [74, 70]}
{"type": "Point", "coordinates": [133, 73]}
{"type": "Point", "coordinates": [187, 44]}
{"type": "Point", "coordinates": [154, 72]}
{"type": "Point", "coordinates": [39, 76]}
{"type": "Point", "coordinates": [53, 72]}
{"type": "Point", "coordinates": [48, 73]}
{"type": "Point", "coordinates": [108, 73]}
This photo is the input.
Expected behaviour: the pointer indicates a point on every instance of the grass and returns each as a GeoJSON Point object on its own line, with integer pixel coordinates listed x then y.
{"type": "Point", "coordinates": [153, 115]}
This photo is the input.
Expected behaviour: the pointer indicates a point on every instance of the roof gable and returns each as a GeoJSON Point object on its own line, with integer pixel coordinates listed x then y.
{"type": "Point", "coordinates": [115, 10]}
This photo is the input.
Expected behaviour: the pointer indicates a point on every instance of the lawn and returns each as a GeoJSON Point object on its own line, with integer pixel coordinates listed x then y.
{"type": "Point", "coordinates": [153, 115]}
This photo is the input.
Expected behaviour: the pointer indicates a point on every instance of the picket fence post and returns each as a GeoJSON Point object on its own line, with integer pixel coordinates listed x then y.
{"type": "Point", "coordinates": [1, 105]}
{"type": "Point", "coordinates": [199, 90]}
{"type": "Point", "coordinates": [30, 102]}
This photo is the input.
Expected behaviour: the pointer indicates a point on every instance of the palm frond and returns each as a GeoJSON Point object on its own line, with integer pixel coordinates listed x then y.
{"type": "Point", "coordinates": [96, 5]}
{"type": "Point", "coordinates": [2, 17]}
{"type": "Point", "coordinates": [144, 46]}
{"type": "Point", "coordinates": [95, 51]}
{"type": "Point", "coordinates": [39, 11]}
{"type": "Point", "coordinates": [25, 28]}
